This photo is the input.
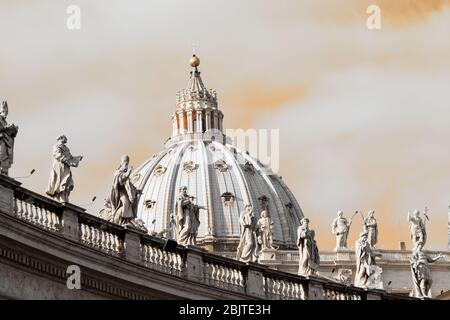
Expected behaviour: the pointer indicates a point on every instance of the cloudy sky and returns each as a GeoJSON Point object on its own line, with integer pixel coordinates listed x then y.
{"type": "Point", "coordinates": [364, 115]}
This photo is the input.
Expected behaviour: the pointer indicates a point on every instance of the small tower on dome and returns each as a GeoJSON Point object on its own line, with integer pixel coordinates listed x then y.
{"type": "Point", "coordinates": [197, 110]}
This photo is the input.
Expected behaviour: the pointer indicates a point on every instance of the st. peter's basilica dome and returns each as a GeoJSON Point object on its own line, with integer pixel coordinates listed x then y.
{"type": "Point", "coordinates": [222, 178]}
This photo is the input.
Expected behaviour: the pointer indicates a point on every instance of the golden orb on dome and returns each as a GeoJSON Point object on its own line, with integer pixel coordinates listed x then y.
{"type": "Point", "coordinates": [194, 61]}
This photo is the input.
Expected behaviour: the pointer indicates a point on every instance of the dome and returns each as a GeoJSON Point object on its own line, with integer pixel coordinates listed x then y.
{"type": "Point", "coordinates": [222, 178]}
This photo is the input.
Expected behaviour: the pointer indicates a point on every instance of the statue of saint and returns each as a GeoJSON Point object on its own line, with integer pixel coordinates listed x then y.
{"type": "Point", "coordinates": [186, 218]}
{"type": "Point", "coordinates": [265, 227]}
{"type": "Point", "coordinates": [246, 250]}
{"type": "Point", "coordinates": [7, 134]}
{"type": "Point", "coordinates": [371, 227]}
{"type": "Point", "coordinates": [309, 258]}
{"type": "Point", "coordinates": [417, 229]}
{"type": "Point", "coordinates": [61, 183]}
{"type": "Point", "coordinates": [421, 273]}
{"type": "Point", "coordinates": [124, 197]}
{"type": "Point", "coordinates": [365, 261]}
{"type": "Point", "coordinates": [340, 228]}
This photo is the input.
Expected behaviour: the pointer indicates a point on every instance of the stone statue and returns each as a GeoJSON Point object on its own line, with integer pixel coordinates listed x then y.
{"type": "Point", "coordinates": [371, 227]}
{"type": "Point", "coordinates": [265, 227]}
{"type": "Point", "coordinates": [186, 218]}
{"type": "Point", "coordinates": [172, 227]}
{"type": "Point", "coordinates": [309, 258]}
{"type": "Point", "coordinates": [340, 228]}
{"type": "Point", "coordinates": [61, 183]}
{"type": "Point", "coordinates": [365, 262]}
{"type": "Point", "coordinates": [246, 250]}
{"type": "Point", "coordinates": [124, 197]}
{"type": "Point", "coordinates": [7, 134]}
{"type": "Point", "coordinates": [417, 229]}
{"type": "Point", "coordinates": [421, 273]}
{"type": "Point", "coordinates": [106, 212]}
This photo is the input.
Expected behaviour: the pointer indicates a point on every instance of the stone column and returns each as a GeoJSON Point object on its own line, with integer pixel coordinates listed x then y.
{"type": "Point", "coordinates": [254, 284]}
{"type": "Point", "coordinates": [221, 122]}
{"type": "Point", "coordinates": [199, 121]}
{"type": "Point", "coordinates": [7, 186]}
{"type": "Point", "coordinates": [315, 289]}
{"type": "Point", "coordinates": [190, 122]}
{"type": "Point", "coordinates": [215, 120]}
{"type": "Point", "coordinates": [133, 244]}
{"type": "Point", "coordinates": [174, 126]}
{"type": "Point", "coordinates": [195, 268]}
{"type": "Point", "coordinates": [208, 120]}
{"type": "Point", "coordinates": [181, 117]}
{"type": "Point", "coordinates": [70, 224]}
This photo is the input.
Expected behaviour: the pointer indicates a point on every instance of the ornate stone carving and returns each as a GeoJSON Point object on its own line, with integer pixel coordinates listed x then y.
{"type": "Point", "coordinates": [221, 165]}
{"type": "Point", "coordinates": [189, 166]}
{"type": "Point", "coordinates": [135, 178]}
{"type": "Point", "coordinates": [344, 276]}
{"type": "Point", "coordinates": [309, 258]}
{"type": "Point", "coordinates": [246, 250]}
{"type": "Point", "coordinates": [366, 270]}
{"type": "Point", "coordinates": [227, 198]}
{"type": "Point", "coordinates": [61, 183]}
{"type": "Point", "coordinates": [106, 213]}
{"type": "Point", "coordinates": [417, 229]}
{"type": "Point", "coordinates": [340, 228]}
{"type": "Point", "coordinates": [8, 132]}
{"type": "Point", "coordinates": [186, 218]}
{"type": "Point", "coordinates": [159, 170]}
{"type": "Point", "coordinates": [265, 231]}
{"type": "Point", "coordinates": [421, 272]}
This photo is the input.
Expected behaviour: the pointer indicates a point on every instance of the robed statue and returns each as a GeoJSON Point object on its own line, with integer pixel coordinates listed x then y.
{"type": "Point", "coordinates": [421, 272]}
{"type": "Point", "coordinates": [187, 218]}
{"type": "Point", "coordinates": [417, 228]}
{"type": "Point", "coordinates": [60, 184]}
{"type": "Point", "coordinates": [340, 228]}
{"type": "Point", "coordinates": [309, 258]}
{"type": "Point", "coordinates": [365, 261]}
{"type": "Point", "coordinates": [246, 250]}
{"type": "Point", "coordinates": [124, 195]}
{"type": "Point", "coordinates": [370, 226]}
{"type": "Point", "coordinates": [7, 134]}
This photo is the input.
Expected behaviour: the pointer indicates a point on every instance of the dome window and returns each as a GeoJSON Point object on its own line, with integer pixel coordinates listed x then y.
{"type": "Point", "coordinates": [149, 204]}
{"type": "Point", "coordinates": [228, 198]}
{"type": "Point", "coordinates": [248, 167]}
{"type": "Point", "coordinates": [189, 166]}
{"type": "Point", "coordinates": [221, 165]}
{"type": "Point", "coordinates": [264, 201]}
{"type": "Point", "coordinates": [159, 170]}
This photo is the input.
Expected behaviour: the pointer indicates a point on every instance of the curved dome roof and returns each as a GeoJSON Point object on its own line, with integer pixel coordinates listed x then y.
{"type": "Point", "coordinates": [222, 179]}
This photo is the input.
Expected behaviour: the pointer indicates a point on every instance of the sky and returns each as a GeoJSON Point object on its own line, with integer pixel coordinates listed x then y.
{"type": "Point", "coordinates": [364, 115]}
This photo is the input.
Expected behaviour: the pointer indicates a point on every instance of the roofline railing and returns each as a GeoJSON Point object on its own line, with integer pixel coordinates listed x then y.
{"type": "Point", "coordinates": [166, 256]}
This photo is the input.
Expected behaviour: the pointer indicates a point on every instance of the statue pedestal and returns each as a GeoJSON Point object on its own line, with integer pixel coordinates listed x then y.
{"type": "Point", "coordinates": [267, 254]}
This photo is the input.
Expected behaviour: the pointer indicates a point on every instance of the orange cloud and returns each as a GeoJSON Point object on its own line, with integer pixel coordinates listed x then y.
{"type": "Point", "coordinates": [404, 12]}
{"type": "Point", "coordinates": [253, 99]}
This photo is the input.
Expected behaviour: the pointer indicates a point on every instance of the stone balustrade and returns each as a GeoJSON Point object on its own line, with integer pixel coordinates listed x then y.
{"type": "Point", "coordinates": [166, 256]}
